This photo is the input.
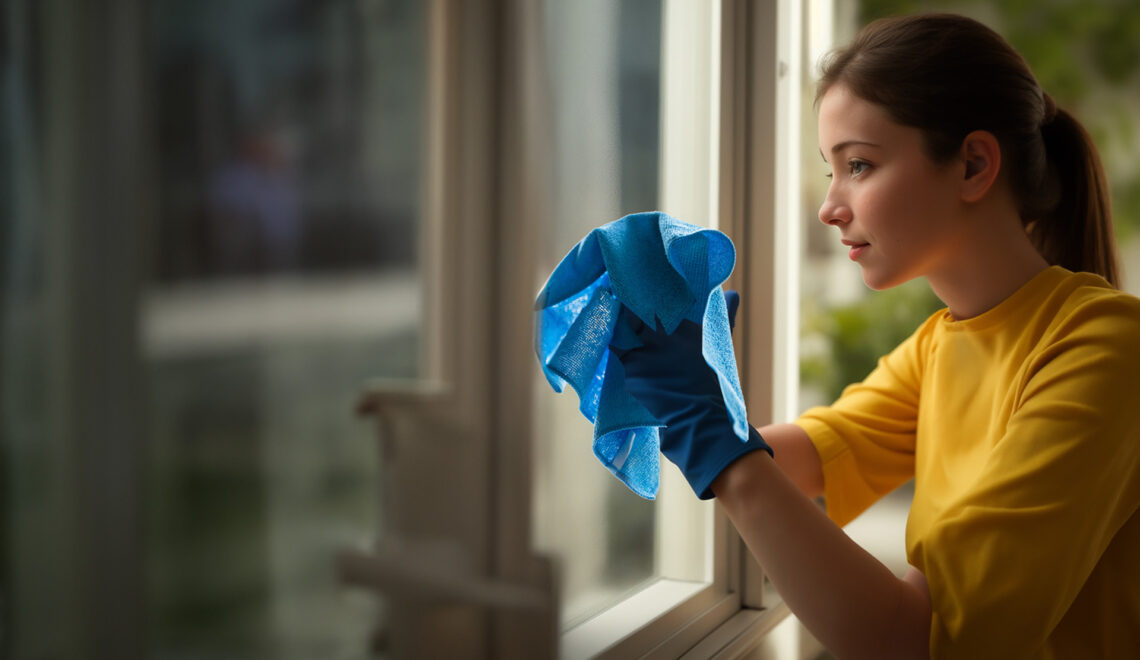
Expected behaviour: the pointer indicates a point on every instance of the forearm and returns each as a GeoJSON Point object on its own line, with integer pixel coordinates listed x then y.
{"type": "Point", "coordinates": [844, 596]}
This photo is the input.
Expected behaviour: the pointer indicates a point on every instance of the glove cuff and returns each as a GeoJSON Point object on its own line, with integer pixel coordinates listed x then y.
{"type": "Point", "coordinates": [701, 455]}
{"type": "Point", "coordinates": [701, 482]}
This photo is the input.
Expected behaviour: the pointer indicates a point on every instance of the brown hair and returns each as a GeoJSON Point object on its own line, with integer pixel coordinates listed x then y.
{"type": "Point", "coordinates": [949, 75]}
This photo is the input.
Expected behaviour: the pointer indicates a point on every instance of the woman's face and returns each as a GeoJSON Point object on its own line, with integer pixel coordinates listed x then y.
{"type": "Point", "coordinates": [896, 210]}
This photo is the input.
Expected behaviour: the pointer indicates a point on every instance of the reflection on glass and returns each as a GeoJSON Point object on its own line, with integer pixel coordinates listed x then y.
{"type": "Point", "coordinates": [284, 276]}
{"type": "Point", "coordinates": [605, 72]}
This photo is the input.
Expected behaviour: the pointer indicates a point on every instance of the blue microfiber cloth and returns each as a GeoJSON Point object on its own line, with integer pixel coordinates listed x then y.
{"type": "Point", "coordinates": [660, 269]}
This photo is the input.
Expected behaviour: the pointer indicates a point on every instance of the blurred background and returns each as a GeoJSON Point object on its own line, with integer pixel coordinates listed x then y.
{"type": "Point", "coordinates": [211, 239]}
{"type": "Point", "coordinates": [182, 353]}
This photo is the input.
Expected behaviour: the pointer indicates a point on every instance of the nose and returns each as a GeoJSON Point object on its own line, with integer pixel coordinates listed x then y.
{"type": "Point", "coordinates": [834, 211]}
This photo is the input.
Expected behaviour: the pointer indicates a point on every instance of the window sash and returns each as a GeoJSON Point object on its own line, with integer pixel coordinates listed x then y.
{"type": "Point", "coordinates": [487, 107]}
{"type": "Point", "coordinates": [745, 143]}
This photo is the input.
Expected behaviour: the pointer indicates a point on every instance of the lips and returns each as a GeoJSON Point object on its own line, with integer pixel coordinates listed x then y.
{"type": "Point", "coordinates": [857, 248]}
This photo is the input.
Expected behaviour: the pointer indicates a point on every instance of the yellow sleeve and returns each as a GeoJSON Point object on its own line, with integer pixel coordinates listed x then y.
{"type": "Point", "coordinates": [1005, 560]}
{"type": "Point", "coordinates": [866, 438]}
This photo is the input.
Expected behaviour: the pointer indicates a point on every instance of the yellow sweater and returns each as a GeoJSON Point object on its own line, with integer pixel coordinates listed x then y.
{"type": "Point", "coordinates": [1021, 428]}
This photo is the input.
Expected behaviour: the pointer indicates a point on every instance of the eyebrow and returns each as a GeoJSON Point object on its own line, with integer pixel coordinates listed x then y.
{"type": "Point", "coordinates": [843, 145]}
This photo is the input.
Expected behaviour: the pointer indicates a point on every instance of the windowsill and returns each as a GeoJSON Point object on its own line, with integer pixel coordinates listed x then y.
{"type": "Point", "coordinates": [599, 633]}
{"type": "Point", "coordinates": [750, 631]}
{"type": "Point", "coordinates": [738, 632]}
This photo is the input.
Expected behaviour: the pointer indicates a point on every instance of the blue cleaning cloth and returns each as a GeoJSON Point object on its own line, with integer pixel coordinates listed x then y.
{"type": "Point", "coordinates": [662, 270]}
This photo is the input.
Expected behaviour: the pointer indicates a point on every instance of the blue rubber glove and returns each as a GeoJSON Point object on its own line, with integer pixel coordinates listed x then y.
{"type": "Point", "coordinates": [669, 376]}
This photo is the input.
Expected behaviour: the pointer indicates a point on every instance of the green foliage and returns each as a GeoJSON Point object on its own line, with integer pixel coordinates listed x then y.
{"type": "Point", "coordinates": [858, 334]}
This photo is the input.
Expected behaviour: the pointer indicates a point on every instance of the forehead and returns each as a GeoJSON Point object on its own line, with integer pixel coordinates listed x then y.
{"type": "Point", "coordinates": [845, 117]}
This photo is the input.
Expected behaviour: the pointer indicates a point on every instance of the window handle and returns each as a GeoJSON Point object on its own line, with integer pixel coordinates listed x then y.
{"type": "Point", "coordinates": [385, 398]}
{"type": "Point", "coordinates": [380, 393]}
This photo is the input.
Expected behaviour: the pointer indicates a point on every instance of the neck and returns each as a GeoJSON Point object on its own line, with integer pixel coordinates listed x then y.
{"type": "Point", "coordinates": [994, 264]}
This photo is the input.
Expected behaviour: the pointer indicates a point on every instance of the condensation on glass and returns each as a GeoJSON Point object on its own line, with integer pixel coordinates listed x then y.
{"type": "Point", "coordinates": [605, 73]}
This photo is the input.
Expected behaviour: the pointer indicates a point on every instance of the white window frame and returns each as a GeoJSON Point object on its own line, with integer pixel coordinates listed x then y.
{"type": "Point", "coordinates": [486, 153]}
{"type": "Point", "coordinates": [731, 107]}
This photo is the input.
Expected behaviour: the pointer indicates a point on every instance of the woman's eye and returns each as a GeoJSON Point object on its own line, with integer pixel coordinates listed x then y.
{"type": "Point", "coordinates": [854, 168]}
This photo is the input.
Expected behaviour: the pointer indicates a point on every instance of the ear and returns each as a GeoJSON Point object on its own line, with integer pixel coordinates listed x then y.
{"type": "Point", "coordinates": [981, 154]}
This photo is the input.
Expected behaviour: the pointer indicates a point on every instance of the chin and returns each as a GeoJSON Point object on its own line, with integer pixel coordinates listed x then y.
{"type": "Point", "coordinates": [878, 280]}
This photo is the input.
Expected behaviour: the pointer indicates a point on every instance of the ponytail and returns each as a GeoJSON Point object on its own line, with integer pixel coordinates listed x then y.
{"type": "Point", "coordinates": [1077, 232]}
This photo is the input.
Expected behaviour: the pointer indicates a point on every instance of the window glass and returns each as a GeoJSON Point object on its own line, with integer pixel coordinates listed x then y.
{"type": "Point", "coordinates": [285, 275]}
{"type": "Point", "coordinates": [605, 73]}
{"type": "Point", "coordinates": [283, 152]}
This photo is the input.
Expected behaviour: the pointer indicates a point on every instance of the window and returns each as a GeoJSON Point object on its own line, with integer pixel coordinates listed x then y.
{"type": "Point", "coordinates": [289, 150]}
{"type": "Point", "coordinates": [604, 64]}
{"type": "Point", "coordinates": [713, 168]}
{"type": "Point", "coordinates": [214, 243]}
{"type": "Point", "coordinates": [233, 218]}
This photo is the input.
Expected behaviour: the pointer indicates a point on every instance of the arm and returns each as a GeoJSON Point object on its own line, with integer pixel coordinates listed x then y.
{"type": "Point", "coordinates": [845, 596]}
{"type": "Point", "coordinates": [796, 456]}
{"type": "Point", "coordinates": [852, 602]}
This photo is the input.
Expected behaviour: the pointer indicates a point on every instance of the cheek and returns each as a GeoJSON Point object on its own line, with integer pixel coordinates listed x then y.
{"type": "Point", "coordinates": [905, 210]}
{"type": "Point", "coordinates": [886, 209]}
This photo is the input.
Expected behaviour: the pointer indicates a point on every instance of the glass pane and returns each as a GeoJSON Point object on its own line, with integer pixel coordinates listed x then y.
{"type": "Point", "coordinates": [282, 157]}
{"type": "Point", "coordinates": [605, 68]}
{"type": "Point", "coordinates": [285, 276]}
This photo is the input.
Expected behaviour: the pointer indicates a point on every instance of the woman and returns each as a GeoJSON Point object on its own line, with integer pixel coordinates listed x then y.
{"type": "Point", "coordinates": [1013, 408]}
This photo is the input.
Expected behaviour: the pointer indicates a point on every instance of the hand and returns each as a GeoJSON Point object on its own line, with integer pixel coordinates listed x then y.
{"type": "Point", "coordinates": [669, 376]}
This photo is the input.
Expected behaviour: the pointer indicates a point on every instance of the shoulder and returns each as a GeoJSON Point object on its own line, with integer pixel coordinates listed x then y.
{"type": "Point", "coordinates": [1085, 305]}
{"type": "Point", "coordinates": [1088, 349]}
